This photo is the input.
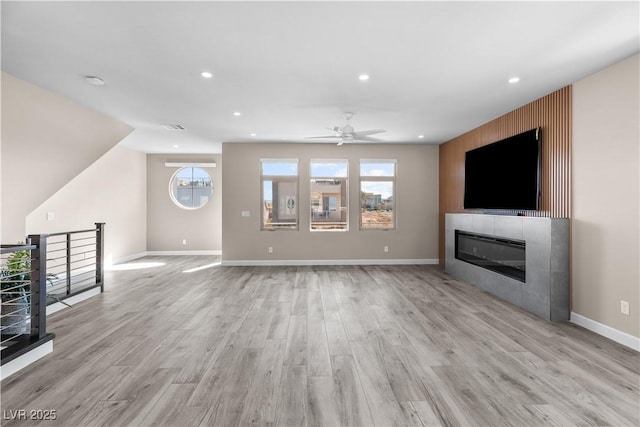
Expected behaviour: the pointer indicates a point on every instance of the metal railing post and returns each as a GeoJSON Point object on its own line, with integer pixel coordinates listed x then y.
{"type": "Point", "coordinates": [100, 255]}
{"type": "Point", "coordinates": [38, 286]}
{"type": "Point", "coordinates": [68, 263]}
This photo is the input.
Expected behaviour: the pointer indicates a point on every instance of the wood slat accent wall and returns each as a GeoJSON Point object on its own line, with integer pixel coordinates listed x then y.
{"type": "Point", "coordinates": [553, 114]}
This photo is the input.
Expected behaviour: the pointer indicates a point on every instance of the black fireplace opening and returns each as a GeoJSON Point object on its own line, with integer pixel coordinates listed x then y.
{"type": "Point", "coordinates": [504, 256]}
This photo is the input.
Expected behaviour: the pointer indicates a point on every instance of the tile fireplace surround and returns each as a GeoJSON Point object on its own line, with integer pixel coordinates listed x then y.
{"type": "Point", "coordinates": [545, 291]}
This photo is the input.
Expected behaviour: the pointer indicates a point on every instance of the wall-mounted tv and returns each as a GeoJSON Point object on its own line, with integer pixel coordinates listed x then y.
{"type": "Point", "coordinates": [504, 174]}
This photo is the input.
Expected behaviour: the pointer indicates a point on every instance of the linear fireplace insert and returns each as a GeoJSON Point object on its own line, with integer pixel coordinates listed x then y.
{"type": "Point", "coordinates": [504, 256]}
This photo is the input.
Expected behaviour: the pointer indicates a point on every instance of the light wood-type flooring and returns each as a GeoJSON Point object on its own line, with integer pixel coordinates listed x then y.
{"type": "Point", "coordinates": [296, 346]}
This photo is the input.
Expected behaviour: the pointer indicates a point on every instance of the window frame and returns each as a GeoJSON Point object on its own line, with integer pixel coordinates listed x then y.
{"type": "Point", "coordinates": [345, 203]}
{"type": "Point", "coordinates": [174, 197]}
{"type": "Point", "coordinates": [280, 178]}
{"type": "Point", "coordinates": [379, 178]}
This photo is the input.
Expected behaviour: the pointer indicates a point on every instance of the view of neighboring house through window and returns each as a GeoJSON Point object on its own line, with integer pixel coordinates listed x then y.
{"type": "Point", "coordinates": [191, 188]}
{"type": "Point", "coordinates": [279, 194]}
{"type": "Point", "coordinates": [329, 190]}
{"type": "Point", "coordinates": [377, 198]}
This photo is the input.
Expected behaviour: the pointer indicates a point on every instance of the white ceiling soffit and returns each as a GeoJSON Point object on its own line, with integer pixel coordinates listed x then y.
{"type": "Point", "coordinates": [290, 69]}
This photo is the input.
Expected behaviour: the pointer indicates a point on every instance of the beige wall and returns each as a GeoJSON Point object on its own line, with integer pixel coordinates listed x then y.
{"type": "Point", "coordinates": [415, 238]}
{"type": "Point", "coordinates": [167, 224]}
{"type": "Point", "coordinates": [606, 185]}
{"type": "Point", "coordinates": [112, 190]}
{"type": "Point", "coordinates": [46, 141]}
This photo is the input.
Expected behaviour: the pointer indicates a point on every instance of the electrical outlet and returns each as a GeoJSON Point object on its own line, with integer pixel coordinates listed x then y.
{"type": "Point", "coordinates": [386, 248]}
{"type": "Point", "coordinates": [184, 241]}
{"type": "Point", "coordinates": [246, 214]}
{"type": "Point", "coordinates": [270, 249]}
{"type": "Point", "coordinates": [624, 307]}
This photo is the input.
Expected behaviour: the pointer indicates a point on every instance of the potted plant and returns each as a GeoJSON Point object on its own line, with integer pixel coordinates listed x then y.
{"type": "Point", "coordinates": [15, 290]}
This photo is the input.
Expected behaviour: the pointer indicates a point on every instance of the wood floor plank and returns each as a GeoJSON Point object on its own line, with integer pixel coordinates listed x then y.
{"type": "Point", "coordinates": [469, 395]}
{"type": "Point", "coordinates": [336, 334]}
{"type": "Point", "coordinates": [549, 415]}
{"type": "Point", "coordinates": [406, 385]}
{"type": "Point", "coordinates": [280, 321]}
{"type": "Point", "coordinates": [317, 345]}
{"type": "Point", "coordinates": [351, 323]}
{"type": "Point", "coordinates": [352, 403]}
{"type": "Point", "coordinates": [318, 359]}
{"type": "Point", "coordinates": [314, 305]}
{"type": "Point", "coordinates": [425, 413]}
{"type": "Point", "coordinates": [217, 373]}
{"type": "Point", "coordinates": [171, 409]}
{"type": "Point", "coordinates": [323, 405]}
{"type": "Point", "coordinates": [299, 305]}
{"type": "Point", "coordinates": [101, 413]}
{"type": "Point", "coordinates": [292, 400]}
{"type": "Point", "coordinates": [329, 302]}
{"type": "Point", "coordinates": [296, 347]}
{"type": "Point", "coordinates": [226, 402]}
{"type": "Point", "coordinates": [260, 403]}
{"type": "Point", "coordinates": [385, 409]}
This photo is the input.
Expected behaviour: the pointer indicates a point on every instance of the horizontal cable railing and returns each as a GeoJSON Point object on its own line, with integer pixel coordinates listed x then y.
{"type": "Point", "coordinates": [22, 299]}
{"type": "Point", "coordinates": [50, 268]}
{"type": "Point", "coordinates": [74, 262]}
{"type": "Point", "coordinates": [15, 292]}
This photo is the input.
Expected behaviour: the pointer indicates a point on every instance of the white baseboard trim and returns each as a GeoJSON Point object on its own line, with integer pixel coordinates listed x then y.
{"type": "Point", "coordinates": [283, 262]}
{"type": "Point", "coordinates": [606, 331]}
{"type": "Point", "coordinates": [151, 253]}
{"type": "Point", "coordinates": [25, 360]}
{"type": "Point", "coordinates": [55, 307]}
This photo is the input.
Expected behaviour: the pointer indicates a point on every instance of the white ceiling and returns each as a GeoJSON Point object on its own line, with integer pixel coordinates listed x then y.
{"type": "Point", "coordinates": [436, 69]}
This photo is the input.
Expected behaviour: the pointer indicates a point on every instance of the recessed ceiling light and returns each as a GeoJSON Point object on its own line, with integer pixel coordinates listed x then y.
{"type": "Point", "coordinates": [206, 74]}
{"type": "Point", "coordinates": [514, 79]}
{"type": "Point", "coordinates": [176, 146]}
{"type": "Point", "coordinates": [253, 134]}
{"type": "Point", "coordinates": [237, 113]}
{"type": "Point", "coordinates": [420, 136]}
{"type": "Point", "coordinates": [363, 77]}
{"type": "Point", "coordinates": [93, 80]}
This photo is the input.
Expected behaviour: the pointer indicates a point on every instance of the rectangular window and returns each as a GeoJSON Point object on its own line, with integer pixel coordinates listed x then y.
{"type": "Point", "coordinates": [329, 195]}
{"type": "Point", "coordinates": [377, 194]}
{"type": "Point", "coordinates": [279, 207]}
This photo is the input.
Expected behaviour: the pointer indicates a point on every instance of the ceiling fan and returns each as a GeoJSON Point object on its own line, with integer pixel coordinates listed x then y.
{"type": "Point", "coordinates": [347, 133]}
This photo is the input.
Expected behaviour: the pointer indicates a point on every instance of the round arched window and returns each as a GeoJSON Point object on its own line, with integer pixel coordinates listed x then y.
{"type": "Point", "coordinates": [191, 188]}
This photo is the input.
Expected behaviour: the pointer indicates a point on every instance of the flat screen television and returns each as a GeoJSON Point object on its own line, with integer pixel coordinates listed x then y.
{"type": "Point", "coordinates": [504, 175]}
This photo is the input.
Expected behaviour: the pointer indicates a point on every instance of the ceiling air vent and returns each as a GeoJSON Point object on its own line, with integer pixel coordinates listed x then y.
{"type": "Point", "coordinates": [174, 127]}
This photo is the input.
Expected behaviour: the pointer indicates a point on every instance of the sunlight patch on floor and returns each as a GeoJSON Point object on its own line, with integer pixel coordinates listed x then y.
{"type": "Point", "coordinates": [136, 265]}
{"type": "Point", "coordinates": [204, 267]}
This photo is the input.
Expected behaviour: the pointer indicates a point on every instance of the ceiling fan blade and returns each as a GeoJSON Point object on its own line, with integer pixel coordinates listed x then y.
{"type": "Point", "coordinates": [367, 138]}
{"type": "Point", "coordinates": [320, 137]}
{"type": "Point", "coordinates": [368, 132]}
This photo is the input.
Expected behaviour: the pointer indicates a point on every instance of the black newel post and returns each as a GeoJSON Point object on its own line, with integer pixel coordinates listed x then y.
{"type": "Point", "coordinates": [100, 255]}
{"type": "Point", "coordinates": [38, 286]}
{"type": "Point", "coordinates": [68, 264]}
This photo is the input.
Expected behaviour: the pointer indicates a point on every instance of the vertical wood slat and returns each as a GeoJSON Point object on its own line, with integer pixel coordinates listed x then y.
{"type": "Point", "coordinates": [552, 113]}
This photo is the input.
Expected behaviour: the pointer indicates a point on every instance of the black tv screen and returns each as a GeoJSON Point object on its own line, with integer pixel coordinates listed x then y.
{"type": "Point", "coordinates": [505, 174]}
